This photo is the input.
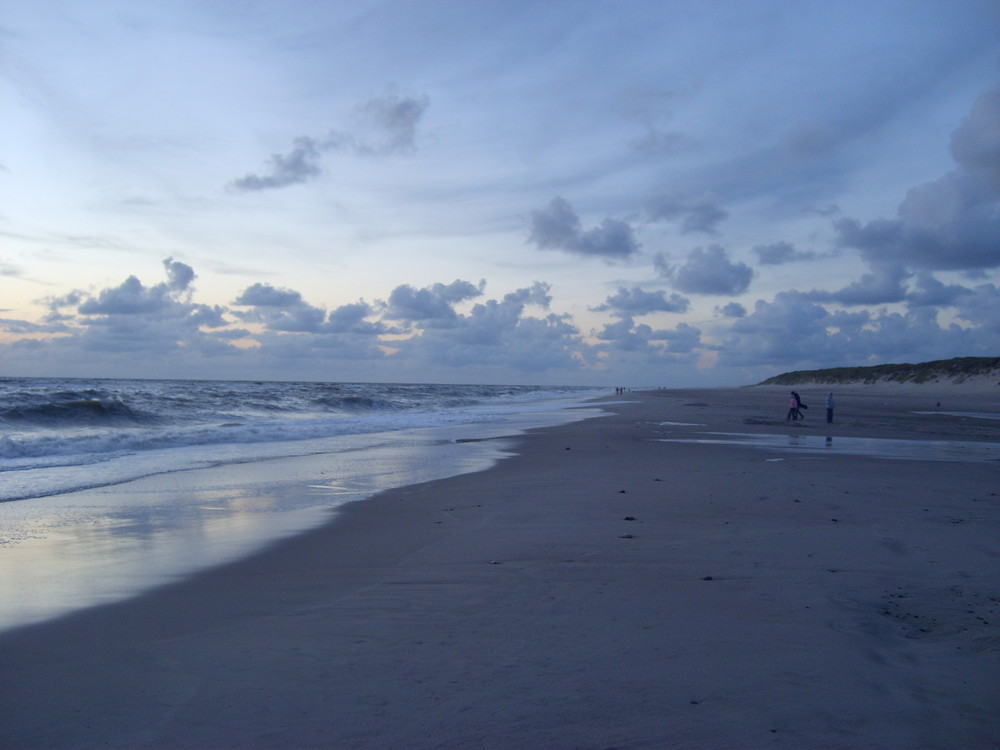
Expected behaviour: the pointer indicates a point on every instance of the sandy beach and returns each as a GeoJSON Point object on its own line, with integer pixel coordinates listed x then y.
{"type": "Point", "coordinates": [689, 571]}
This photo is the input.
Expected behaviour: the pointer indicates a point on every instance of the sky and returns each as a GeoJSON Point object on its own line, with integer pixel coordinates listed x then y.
{"type": "Point", "coordinates": [628, 193]}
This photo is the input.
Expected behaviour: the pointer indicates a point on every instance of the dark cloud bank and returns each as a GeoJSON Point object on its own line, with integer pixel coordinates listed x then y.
{"type": "Point", "coordinates": [454, 331]}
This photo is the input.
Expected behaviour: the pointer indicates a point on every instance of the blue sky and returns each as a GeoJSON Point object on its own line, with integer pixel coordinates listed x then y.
{"type": "Point", "coordinates": [619, 193]}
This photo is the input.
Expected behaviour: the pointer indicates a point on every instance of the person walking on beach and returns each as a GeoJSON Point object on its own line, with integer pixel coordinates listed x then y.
{"type": "Point", "coordinates": [829, 407]}
{"type": "Point", "coordinates": [793, 408]}
{"type": "Point", "coordinates": [799, 406]}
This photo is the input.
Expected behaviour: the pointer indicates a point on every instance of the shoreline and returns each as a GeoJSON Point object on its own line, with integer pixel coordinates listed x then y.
{"type": "Point", "coordinates": [65, 552]}
{"type": "Point", "coordinates": [599, 588]}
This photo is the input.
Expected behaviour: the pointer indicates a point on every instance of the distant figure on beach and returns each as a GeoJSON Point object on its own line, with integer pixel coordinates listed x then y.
{"type": "Point", "coordinates": [829, 407]}
{"type": "Point", "coordinates": [793, 408]}
{"type": "Point", "coordinates": [799, 406]}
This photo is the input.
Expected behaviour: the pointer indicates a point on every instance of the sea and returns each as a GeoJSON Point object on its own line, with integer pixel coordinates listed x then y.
{"type": "Point", "coordinates": [111, 487]}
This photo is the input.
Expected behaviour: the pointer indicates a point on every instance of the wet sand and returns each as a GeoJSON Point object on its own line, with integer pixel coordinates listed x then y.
{"type": "Point", "coordinates": [603, 588]}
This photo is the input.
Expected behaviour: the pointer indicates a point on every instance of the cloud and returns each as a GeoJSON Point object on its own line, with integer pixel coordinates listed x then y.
{"type": "Point", "coordinates": [284, 310]}
{"type": "Point", "coordinates": [707, 271]}
{"type": "Point", "coordinates": [24, 327]}
{"type": "Point", "coordinates": [133, 317]}
{"type": "Point", "coordinates": [975, 144]}
{"type": "Point", "coordinates": [352, 318]}
{"type": "Point", "coordinates": [265, 295]}
{"type": "Point", "coordinates": [394, 120]}
{"type": "Point", "coordinates": [732, 310]}
{"type": "Point", "coordinates": [795, 331]}
{"type": "Point", "coordinates": [930, 292]}
{"type": "Point", "coordinates": [279, 309]}
{"type": "Point", "coordinates": [536, 294]}
{"type": "Point", "coordinates": [950, 223]}
{"type": "Point", "coordinates": [557, 227]}
{"type": "Point", "coordinates": [649, 108]}
{"type": "Point", "coordinates": [496, 338]}
{"type": "Point", "coordinates": [131, 297]}
{"type": "Point", "coordinates": [980, 307]}
{"type": "Point", "coordinates": [149, 334]}
{"type": "Point", "coordinates": [883, 285]}
{"type": "Point", "coordinates": [56, 305]}
{"type": "Point", "coordinates": [298, 319]}
{"type": "Point", "coordinates": [301, 164]}
{"type": "Point", "coordinates": [496, 335]}
{"type": "Point", "coordinates": [635, 301]}
{"type": "Point", "coordinates": [789, 329]}
{"type": "Point", "coordinates": [388, 127]}
{"type": "Point", "coordinates": [433, 305]}
{"type": "Point", "coordinates": [209, 316]}
{"type": "Point", "coordinates": [179, 275]}
{"type": "Point", "coordinates": [9, 269]}
{"type": "Point", "coordinates": [312, 354]}
{"type": "Point", "coordinates": [779, 253]}
{"type": "Point", "coordinates": [682, 339]}
{"type": "Point", "coordinates": [696, 213]}
{"type": "Point", "coordinates": [625, 335]}
{"type": "Point", "coordinates": [490, 322]}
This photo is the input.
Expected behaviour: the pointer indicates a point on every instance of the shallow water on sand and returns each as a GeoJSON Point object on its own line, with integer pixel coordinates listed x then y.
{"type": "Point", "coordinates": [973, 414]}
{"type": "Point", "coordinates": [915, 450]}
{"type": "Point", "coordinates": [79, 549]}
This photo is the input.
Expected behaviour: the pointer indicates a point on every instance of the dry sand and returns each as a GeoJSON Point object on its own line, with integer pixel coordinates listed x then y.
{"type": "Point", "coordinates": [601, 589]}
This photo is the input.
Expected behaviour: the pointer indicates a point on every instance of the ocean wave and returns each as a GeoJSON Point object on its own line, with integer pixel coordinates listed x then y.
{"type": "Point", "coordinates": [76, 411]}
{"type": "Point", "coordinates": [51, 425]}
{"type": "Point", "coordinates": [357, 403]}
{"type": "Point", "coordinates": [26, 445]}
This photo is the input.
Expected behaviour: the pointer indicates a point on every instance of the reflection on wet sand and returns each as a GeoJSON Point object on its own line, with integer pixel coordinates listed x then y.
{"type": "Point", "coordinates": [972, 414]}
{"type": "Point", "coordinates": [920, 450]}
